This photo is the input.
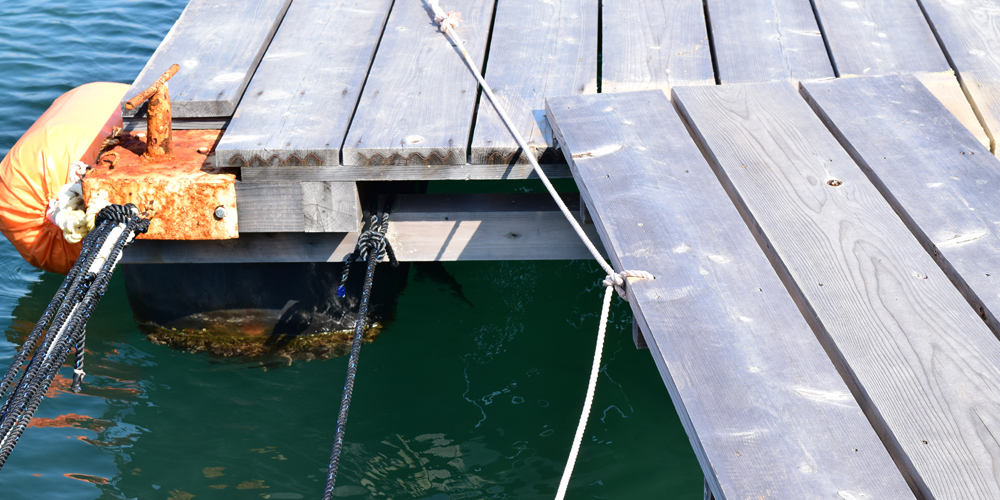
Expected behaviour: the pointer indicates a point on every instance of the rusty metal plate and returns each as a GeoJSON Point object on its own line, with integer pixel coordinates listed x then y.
{"type": "Point", "coordinates": [181, 195]}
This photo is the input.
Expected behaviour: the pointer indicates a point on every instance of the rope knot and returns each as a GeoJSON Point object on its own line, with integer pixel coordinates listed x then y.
{"type": "Point", "coordinates": [448, 19]}
{"type": "Point", "coordinates": [618, 280]}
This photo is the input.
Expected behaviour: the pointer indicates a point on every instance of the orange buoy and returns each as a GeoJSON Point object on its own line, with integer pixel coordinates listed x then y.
{"type": "Point", "coordinates": [37, 167]}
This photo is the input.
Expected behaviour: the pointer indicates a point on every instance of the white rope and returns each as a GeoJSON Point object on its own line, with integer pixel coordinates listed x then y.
{"type": "Point", "coordinates": [591, 387]}
{"type": "Point", "coordinates": [448, 22]}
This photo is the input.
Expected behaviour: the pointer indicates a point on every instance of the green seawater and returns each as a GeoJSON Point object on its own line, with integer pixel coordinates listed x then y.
{"type": "Point", "coordinates": [463, 396]}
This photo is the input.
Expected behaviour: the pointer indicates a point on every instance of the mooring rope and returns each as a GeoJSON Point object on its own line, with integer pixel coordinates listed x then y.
{"type": "Point", "coordinates": [448, 21]}
{"type": "Point", "coordinates": [62, 326]}
{"type": "Point", "coordinates": [372, 246]}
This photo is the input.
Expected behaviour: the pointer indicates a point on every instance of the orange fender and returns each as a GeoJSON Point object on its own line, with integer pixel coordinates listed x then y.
{"type": "Point", "coordinates": [72, 129]}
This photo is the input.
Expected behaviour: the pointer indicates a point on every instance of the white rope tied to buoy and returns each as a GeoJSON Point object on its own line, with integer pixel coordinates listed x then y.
{"type": "Point", "coordinates": [614, 280]}
{"type": "Point", "coordinates": [68, 210]}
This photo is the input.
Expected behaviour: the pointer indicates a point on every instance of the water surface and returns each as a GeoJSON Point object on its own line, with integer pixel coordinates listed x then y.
{"type": "Point", "coordinates": [470, 393]}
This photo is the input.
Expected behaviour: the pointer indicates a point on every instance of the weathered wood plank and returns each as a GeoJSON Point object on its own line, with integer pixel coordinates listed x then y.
{"type": "Point", "coordinates": [766, 411]}
{"type": "Point", "coordinates": [937, 177]}
{"type": "Point", "coordinates": [218, 44]}
{"type": "Point", "coordinates": [767, 40]}
{"type": "Point", "coordinates": [969, 32]}
{"type": "Point", "coordinates": [269, 207]}
{"type": "Point", "coordinates": [404, 172]}
{"type": "Point", "coordinates": [924, 366]}
{"type": "Point", "coordinates": [417, 105]}
{"type": "Point", "coordinates": [293, 206]}
{"type": "Point", "coordinates": [654, 45]}
{"type": "Point", "coordinates": [946, 89]}
{"type": "Point", "coordinates": [879, 38]}
{"type": "Point", "coordinates": [299, 104]}
{"type": "Point", "coordinates": [484, 227]}
{"type": "Point", "coordinates": [331, 207]}
{"type": "Point", "coordinates": [421, 228]}
{"type": "Point", "coordinates": [892, 37]}
{"type": "Point", "coordinates": [537, 49]}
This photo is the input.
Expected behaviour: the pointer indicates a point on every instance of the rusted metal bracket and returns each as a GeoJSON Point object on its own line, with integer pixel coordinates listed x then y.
{"type": "Point", "coordinates": [159, 121]}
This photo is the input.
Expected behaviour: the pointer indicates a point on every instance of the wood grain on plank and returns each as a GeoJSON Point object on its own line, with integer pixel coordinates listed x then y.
{"type": "Point", "coordinates": [330, 207]}
{"type": "Point", "coordinates": [654, 45]}
{"type": "Point", "coordinates": [879, 38]}
{"type": "Point", "coordinates": [537, 49]}
{"type": "Point", "coordinates": [269, 207]}
{"type": "Point", "coordinates": [969, 32]}
{"type": "Point", "coordinates": [293, 206]}
{"type": "Point", "coordinates": [417, 105]}
{"type": "Point", "coordinates": [766, 411]}
{"type": "Point", "coordinates": [767, 40]}
{"type": "Point", "coordinates": [217, 44]}
{"type": "Point", "coordinates": [924, 365]}
{"type": "Point", "coordinates": [299, 104]}
{"type": "Point", "coordinates": [941, 181]}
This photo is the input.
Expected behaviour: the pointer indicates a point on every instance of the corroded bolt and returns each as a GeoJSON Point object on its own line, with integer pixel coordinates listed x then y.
{"type": "Point", "coordinates": [220, 212]}
{"type": "Point", "coordinates": [159, 122]}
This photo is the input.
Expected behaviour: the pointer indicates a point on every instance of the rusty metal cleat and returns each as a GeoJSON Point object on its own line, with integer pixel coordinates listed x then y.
{"type": "Point", "coordinates": [159, 121]}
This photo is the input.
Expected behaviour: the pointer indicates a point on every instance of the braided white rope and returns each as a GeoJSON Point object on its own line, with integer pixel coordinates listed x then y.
{"type": "Point", "coordinates": [448, 21]}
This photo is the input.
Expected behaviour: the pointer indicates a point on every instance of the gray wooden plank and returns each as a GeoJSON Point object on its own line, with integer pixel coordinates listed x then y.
{"type": "Point", "coordinates": [767, 40]}
{"type": "Point", "coordinates": [293, 206]}
{"type": "Point", "coordinates": [417, 105]}
{"type": "Point", "coordinates": [924, 366]}
{"type": "Point", "coordinates": [404, 172]}
{"type": "Point", "coordinates": [892, 37]}
{"type": "Point", "coordinates": [331, 207]}
{"type": "Point", "coordinates": [766, 411]}
{"type": "Point", "coordinates": [299, 104]}
{"type": "Point", "coordinates": [946, 89]}
{"type": "Point", "coordinates": [218, 44]}
{"type": "Point", "coordinates": [937, 176]}
{"type": "Point", "coordinates": [537, 49]}
{"type": "Point", "coordinates": [969, 33]}
{"type": "Point", "coordinates": [421, 228]}
{"type": "Point", "coordinates": [654, 45]}
{"type": "Point", "coordinates": [484, 227]}
{"type": "Point", "coordinates": [879, 38]}
{"type": "Point", "coordinates": [269, 207]}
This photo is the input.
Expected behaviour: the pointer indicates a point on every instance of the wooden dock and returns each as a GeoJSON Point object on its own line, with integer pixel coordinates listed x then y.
{"type": "Point", "coordinates": [811, 183]}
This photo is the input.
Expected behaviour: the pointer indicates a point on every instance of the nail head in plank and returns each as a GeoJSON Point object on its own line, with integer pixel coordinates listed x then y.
{"type": "Point", "coordinates": [654, 45]}
{"type": "Point", "coordinates": [926, 368]}
{"type": "Point", "coordinates": [968, 32]}
{"type": "Point", "coordinates": [767, 40]}
{"type": "Point", "coordinates": [417, 105]}
{"type": "Point", "coordinates": [537, 49]}
{"type": "Point", "coordinates": [940, 180]}
{"type": "Point", "coordinates": [879, 38]}
{"type": "Point", "coordinates": [217, 44]}
{"type": "Point", "coordinates": [765, 409]}
{"type": "Point", "coordinates": [299, 104]}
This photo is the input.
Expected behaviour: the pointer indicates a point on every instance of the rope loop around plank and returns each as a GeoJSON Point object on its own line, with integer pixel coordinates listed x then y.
{"type": "Point", "coordinates": [619, 280]}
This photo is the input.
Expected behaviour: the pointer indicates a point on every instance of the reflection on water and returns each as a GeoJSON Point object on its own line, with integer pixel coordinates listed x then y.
{"type": "Point", "coordinates": [472, 392]}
